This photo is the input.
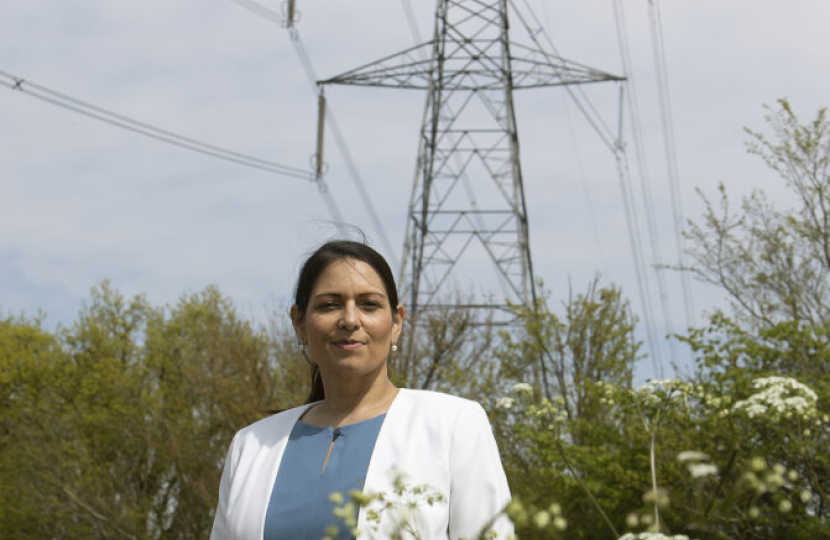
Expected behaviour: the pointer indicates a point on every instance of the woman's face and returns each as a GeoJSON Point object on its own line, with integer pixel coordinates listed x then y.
{"type": "Point", "coordinates": [349, 325]}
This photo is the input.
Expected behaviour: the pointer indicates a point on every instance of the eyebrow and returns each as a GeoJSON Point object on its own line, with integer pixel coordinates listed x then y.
{"type": "Point", "coordinates": [359, 295]}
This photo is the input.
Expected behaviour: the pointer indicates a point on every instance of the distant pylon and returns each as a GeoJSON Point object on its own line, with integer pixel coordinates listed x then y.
{"type": "Point", "coordinates": [467, 212]}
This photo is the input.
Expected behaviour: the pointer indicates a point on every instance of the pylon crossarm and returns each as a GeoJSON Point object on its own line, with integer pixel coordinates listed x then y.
{"type": "Point", "coordinates": [404, 69]}
{"type": "Point", "coordinates": [470, 66]}
{"type": "Point", "coordinates": [531, 60]}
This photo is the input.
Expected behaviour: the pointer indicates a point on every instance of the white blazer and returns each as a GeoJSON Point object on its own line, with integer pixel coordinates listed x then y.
{"type": "Point", "coordinates": [433, 439]}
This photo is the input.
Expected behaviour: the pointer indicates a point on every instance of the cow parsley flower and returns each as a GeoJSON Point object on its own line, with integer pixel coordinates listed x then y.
{"type": "Point", "coordinates": [522, 388]}
{"type": "Point", "coordinates": [699, 470]}
{"type": "Point", "coordinates": [505, 402]}
{"type": "Point", "coordinates": [692, 455]}
{"type": "Point", "coordinates": [779, 398]}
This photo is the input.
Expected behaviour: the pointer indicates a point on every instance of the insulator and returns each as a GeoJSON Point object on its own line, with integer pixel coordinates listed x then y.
{"type": "Point", "coordinates": [619, 142]}
{"type": "Point", "coordinates": [321, 122]}
{"type": "Point", "coordinates": [291, 12]}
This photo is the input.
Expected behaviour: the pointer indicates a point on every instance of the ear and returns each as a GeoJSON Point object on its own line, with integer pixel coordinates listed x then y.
{"type": "Point", "coordinates": [397, 322]}
{"type": "Point", "coordinates": [297, 322]}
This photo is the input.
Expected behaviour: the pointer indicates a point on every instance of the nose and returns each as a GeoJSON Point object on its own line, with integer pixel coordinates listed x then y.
{"type": "Point", "coordinates": [350, 319]}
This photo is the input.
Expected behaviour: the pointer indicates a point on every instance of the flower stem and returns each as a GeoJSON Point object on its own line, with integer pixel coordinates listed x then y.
{"type": "Point", "coordinates": [654, 481]}
{"type": "Point", "coordinates": [585, 488]}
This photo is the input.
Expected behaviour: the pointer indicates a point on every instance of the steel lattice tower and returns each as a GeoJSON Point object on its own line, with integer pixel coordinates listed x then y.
{"type": "Point", "coordinates": [467, 212]}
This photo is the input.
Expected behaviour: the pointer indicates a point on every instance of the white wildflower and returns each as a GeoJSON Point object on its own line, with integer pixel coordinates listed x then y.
{"type": "Point", "coordinates": [758, 464]}
{"type": "Point", "coordinates": [655, 385]}
{"type": "Point", "coordinates": [505, 402]}
{"type": "Point", "coordinates": [778, 398]}
{"type": "Point", "coordinates": [692, 455]}
{"type": "Point", "coordinates": [776, 480]}
{"type": "Point", "coordinates": [699, 470]}
{"type": "Point", "coordinates": [522, 388]}
{"type": "Point", "coordinates": [541, 519]}
{"type": "Point", "coordinates": [658, 497]}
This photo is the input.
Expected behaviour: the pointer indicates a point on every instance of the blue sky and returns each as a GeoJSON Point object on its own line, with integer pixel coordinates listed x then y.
{"type": "Point", "coordinates": [81, 201]}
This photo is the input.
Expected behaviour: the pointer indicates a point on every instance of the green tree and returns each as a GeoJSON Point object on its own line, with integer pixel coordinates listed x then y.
{"type": "Point", "coordinates": [32, 367]}
{"type": "Point", "coordinates": [448, 345]}
{"type": "Point", "coordinates": [564, 443]}
{"type": "Point", "coordinates": [773, 264]}
{"type": "Point", "coordinates": [118, 426]}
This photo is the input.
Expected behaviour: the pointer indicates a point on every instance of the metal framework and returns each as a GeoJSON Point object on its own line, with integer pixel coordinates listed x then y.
{"type": "Point", "coordinates": [467, 226]}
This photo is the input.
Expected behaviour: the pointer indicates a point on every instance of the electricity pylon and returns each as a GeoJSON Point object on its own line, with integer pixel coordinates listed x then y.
{"type": "Point", "coordinates": [467, 211]}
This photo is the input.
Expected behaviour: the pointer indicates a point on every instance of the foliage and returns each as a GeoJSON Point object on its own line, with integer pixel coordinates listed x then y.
{"type": "Point", "coordinates": [117, 426]}
{"type": "Point", "coordinates": [734, 450]}
{"type": "Point", "coordinates": [554, 448]}
{"type": "Point", "coordinates": [446, 345]}
{"type": "Point", "coordinates": [774, 264]}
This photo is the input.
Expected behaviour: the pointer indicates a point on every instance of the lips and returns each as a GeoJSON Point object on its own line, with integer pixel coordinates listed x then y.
{"type": "Point", "coordinates": [348, 344]}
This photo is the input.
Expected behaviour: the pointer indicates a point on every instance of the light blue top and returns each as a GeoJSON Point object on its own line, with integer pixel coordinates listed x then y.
{"type": "Point", "coordinates": [300, 508]}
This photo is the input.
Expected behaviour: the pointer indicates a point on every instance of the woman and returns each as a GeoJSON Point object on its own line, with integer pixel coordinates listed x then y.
{"type": "Point", "coordinates": [357, 431]}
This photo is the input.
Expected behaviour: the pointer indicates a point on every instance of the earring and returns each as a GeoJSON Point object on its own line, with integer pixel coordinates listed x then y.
{"type": "Point", "coordinates": [394, 347]}
{"type": "Point", "coordinates": [301, 346]}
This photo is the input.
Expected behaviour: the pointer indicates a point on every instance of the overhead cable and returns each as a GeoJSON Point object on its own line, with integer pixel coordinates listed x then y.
{"type": "Point", "coordinates": [584, 183]}
{"type": "Point", "coordinates": [576, 93]}
{"type": "Point", "coordinates": [643, 172]}
{"type": "Point", "coordinates": [604, 133]}
{"type": "Point", "coordinates": [142, 128]}
{"type": "Point", "coordinates": [413, 24]}
{"type": "Point", "coordinates": [670, 149]}
{"type": "Point", "coordinates": [617, 149]}
{"type": "Point", "coordinates": [340, 140]}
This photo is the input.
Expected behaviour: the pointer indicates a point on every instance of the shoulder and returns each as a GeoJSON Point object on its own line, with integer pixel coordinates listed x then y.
{"type": "Point", "coordinates": [270, 428]}
{"type": "Point", "coordinates": [439, 400]}
{"type": "Point", "coordinates": [438, 408]}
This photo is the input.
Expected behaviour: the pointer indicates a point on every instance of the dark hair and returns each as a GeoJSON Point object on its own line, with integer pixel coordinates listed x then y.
{"type": "Point", "coordinates": [338, 250]}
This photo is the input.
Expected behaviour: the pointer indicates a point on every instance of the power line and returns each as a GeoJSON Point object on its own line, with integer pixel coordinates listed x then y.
{"type": "Point", "coordinates": [643, 170]}
{"type": "Point", "coordinates": [584, 104]}
{"type": "Point", "coordinates": [340, 140]}
{"type": "Point", "coordinates": [605, 134]}
{"type": "Point", "coordinates": [645, 176]}
{"type": "Point", "coordinates": [142, 128]}
{"type": "Point", "coordinates": [670, 149]}
{"type": "Point", "coordinates": [413, 24]}
{"type": "Point", "coordinates": [584, 183]}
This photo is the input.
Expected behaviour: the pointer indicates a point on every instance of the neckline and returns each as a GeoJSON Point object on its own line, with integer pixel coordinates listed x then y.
{"type": "Point", "coordinates": [312, 405]}
{"type": "Point", "coordinates": [344, 426]}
